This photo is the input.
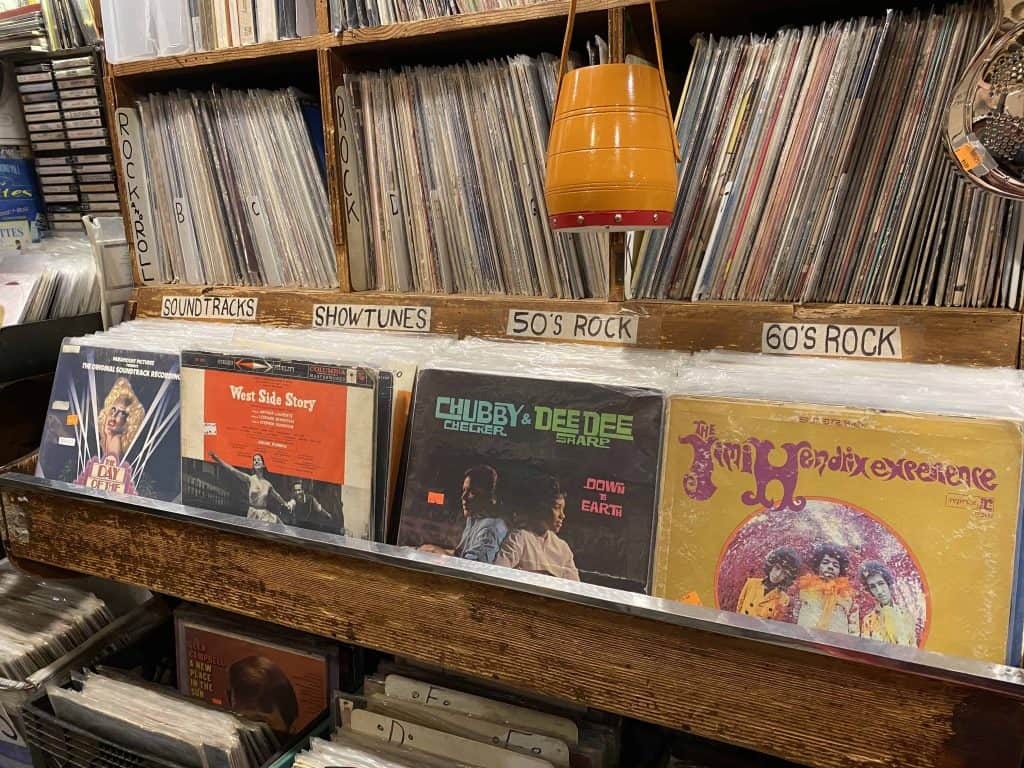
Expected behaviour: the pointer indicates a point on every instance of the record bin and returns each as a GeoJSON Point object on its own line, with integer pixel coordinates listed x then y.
{"type": "Point", "coordinates": [125, 631]}
{"type": "Point", "coordinates": [55, 743]}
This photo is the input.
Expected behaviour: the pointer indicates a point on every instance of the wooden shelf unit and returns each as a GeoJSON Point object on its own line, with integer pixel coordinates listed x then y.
{"type": "Point", "coordinates": [665, 663]}
{"type": "Point", "coordinates": [962, 336]}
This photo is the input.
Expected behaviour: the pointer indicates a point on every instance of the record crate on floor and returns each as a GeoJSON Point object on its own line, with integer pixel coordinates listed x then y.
{"type": "Point", "coordinates": [712, 674]}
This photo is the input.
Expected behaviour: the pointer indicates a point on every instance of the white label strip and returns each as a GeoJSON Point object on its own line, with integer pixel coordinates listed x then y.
{"type": "Point", "coordinates": [573, 326]}
{"type": "Point", "coordinates": [129, 135]}
{"type": "Point", "coordinates": [831, 340]}
{"type": "Point", "coordinates": [374, 317]}
{"type": "Point", "coordinates": [237, 308]}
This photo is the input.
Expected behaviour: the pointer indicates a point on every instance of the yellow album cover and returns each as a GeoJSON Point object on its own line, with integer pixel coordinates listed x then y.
{"type": "Point", "coordinates": [897, 527]}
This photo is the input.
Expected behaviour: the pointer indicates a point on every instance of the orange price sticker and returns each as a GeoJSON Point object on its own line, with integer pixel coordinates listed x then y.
{"type": "Point", "coordinates": [968, 157]}
{"type": "Point", "coordinates": [72, 419]}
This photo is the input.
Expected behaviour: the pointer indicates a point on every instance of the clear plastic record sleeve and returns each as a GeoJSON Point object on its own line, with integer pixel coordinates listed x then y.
{"type": "Point", "coordinates": [280, 441]}
{"type": "Point", "coordinates": [112, 424]}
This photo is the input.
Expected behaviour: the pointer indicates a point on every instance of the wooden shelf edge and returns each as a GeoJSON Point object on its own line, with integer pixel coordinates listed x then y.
{"type": "Point", "coordinates": [368, 36]}
{"type": "Point", "coordinates": [769, 698]}
{"type": "Point", "coordinates": [985, 337]}
{"type": "Point", "coordinates": [165, 64]}
{"type": "Point", "coordinates": [467, 22]}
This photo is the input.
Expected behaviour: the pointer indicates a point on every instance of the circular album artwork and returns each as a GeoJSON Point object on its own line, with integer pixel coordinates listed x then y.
{"type": "Point", "coordinates": [830, 566]}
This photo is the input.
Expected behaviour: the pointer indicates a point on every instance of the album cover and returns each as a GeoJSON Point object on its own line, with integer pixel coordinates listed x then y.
{"type": "Point", "coordinates": [556, 477]}
{"type": "Point", "coordinates": [267, 675]}
{"type": "Point", "coordinates": [280, 441]}
{"type": "Point", "coordinates": [113, 422]}
{"type": "Point", "coordinates": [897, 527]}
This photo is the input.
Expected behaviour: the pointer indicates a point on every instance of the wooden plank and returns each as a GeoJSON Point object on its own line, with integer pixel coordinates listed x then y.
{"type": "Point", "coordinates": [438, 28]}
{"type": "Point", "coordinates": [223, 56]}
{"type": "Point", "coordinates": [819, 710]}
{"type": "Point", "coordinates": [323, 17]}
{"type": "Point", "coordinates": [929, 334]}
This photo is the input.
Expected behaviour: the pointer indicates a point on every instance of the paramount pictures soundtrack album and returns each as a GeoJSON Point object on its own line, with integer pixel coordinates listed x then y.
{"type": "Point", "coordinates": [280, 441]}
{"type": "Point", "coordinates": [113, 422]}
{"type": "Point", "coordinates": [547, 476]}
{"type": "Point", "coordinates": [896, 527]}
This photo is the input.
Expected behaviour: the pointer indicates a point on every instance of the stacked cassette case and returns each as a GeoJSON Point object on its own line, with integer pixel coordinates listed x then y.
{"type": "Point", "coordinates": [63, 100]}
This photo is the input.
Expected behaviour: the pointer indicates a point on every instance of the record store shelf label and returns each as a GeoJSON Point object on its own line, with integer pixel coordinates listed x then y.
{"type": "Point", "coordinates": [573, 326]}
{"type": "Point", "coordinates": [238, 309]}
{"type": "Point", "coordinates": [373, 317]}
{"type": "Point", "coordinates": [881, 342]}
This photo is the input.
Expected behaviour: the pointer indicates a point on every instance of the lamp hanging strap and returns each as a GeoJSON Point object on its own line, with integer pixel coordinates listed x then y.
{"type": "Point", "coordinates": [564, 61]}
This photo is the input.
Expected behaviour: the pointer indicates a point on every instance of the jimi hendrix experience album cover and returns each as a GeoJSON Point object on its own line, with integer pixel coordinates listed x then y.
{"type": "Point", "coordinates": [896, 527]}
{"type": "Point", "coordinates": [548, 476]}
{"type": "Point", "coordinates": [279, 441]}
{"type": "Point", "coordinates": [113, 422]}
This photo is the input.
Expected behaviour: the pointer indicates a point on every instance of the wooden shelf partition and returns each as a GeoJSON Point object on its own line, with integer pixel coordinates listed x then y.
{"type": "Point", "coordinates": [823, 707]}
{"type": "Point", "coordinates": [260, 51]}
{"type": "Point", "coordinates": [933, 335]}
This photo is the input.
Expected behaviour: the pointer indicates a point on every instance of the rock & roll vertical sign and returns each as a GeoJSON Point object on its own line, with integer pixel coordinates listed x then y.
{"type": "Point", "coordinates": [136, 187]}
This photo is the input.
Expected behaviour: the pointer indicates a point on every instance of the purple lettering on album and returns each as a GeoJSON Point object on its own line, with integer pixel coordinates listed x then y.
{"type": "Point", "coordinates": [753, 456]}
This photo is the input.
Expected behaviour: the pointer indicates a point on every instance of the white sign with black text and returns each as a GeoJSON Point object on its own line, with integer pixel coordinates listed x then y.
{"type": "Point", "coordinates": [882, 342]}
{"type": "Point", "coordinates": [240, 309]}
{"type": "Point", "coordinates": [372, 317]}
{"type": "Point", "coordinates": [573, 326]}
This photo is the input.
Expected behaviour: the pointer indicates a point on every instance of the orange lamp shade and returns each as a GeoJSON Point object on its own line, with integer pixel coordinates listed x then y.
{"type": "Point", "coordinates": [611, 152]}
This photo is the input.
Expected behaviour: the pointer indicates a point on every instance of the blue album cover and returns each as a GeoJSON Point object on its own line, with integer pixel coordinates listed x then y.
{"type": "Point", "coordinates": [113, 422]}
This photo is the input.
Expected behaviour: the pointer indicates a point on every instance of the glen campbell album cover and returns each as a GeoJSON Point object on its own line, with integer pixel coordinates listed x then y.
{"type": "Point", "coordinates": [553, 477]}
{"type": "Point", "coordinates": [895, 527]}
{"type": "Point", "coordinates": [279, 441]}
{"type": "Point", "coordinates": [113, 422]}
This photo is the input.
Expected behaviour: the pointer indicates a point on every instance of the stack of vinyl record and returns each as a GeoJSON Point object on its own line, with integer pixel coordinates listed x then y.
{"type": "Point", "coordinates": [233, 662]}
{"type": "Point", "coordinates": [144, 29]}
{"type": "Point", "coordinates": [23, 28]}
{"type": "Point", "coordinates": [236, 189]}
{"type": "Point", "coordinates": [157, 721]}
{"type": "Point", "coordinates": [453, 159]}
{"type": "Point", "coordinates": [62, 102]}
{"type": "Point", "coordinates": [353, 14]}
{"type": "Point", "coordinates": [69, 23]}
{"type": "Point", "coordinates": [43, 621]}
{"type": "Point", "coordinates": [53, 278]}
{"type": "Point", "coordinates": [330, 414]}
{"type": "Point", "coordinates": [448, 720]}
{"type": "Point", "coordinates": [813, 170]}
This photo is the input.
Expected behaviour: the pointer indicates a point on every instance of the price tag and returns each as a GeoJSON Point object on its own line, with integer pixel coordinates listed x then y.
{"type": "Point", "coordinates": [372, 317]}
{"type": "Point", "coordinates": [573, 326]}
{"type": "Point", "coordinates": [240, 309]}
{"type": "Point", "coordinates": [133, 170]}
{"type": "Point", "coordinates": [968, 156]}
{"type": "Point", "coordinates": [830, 340]}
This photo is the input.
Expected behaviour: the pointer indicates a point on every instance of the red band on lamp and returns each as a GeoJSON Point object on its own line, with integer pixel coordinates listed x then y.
{"type": "Point", "coordinates": [612, 219]}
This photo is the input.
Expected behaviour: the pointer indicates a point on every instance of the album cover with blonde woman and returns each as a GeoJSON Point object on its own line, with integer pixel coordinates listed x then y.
{"type": "Point", "coordinates": [113, 422]}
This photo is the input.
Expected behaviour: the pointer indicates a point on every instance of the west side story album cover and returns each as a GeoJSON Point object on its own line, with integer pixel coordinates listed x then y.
{"type": "Point", "coordinates": [901, 528]}
{"type": "Point", "coordinates": [113, 422]}
{"type": "Point", "coordinates": [279, 441]}
{"type": "Point", "coordinates": [546, 476]}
